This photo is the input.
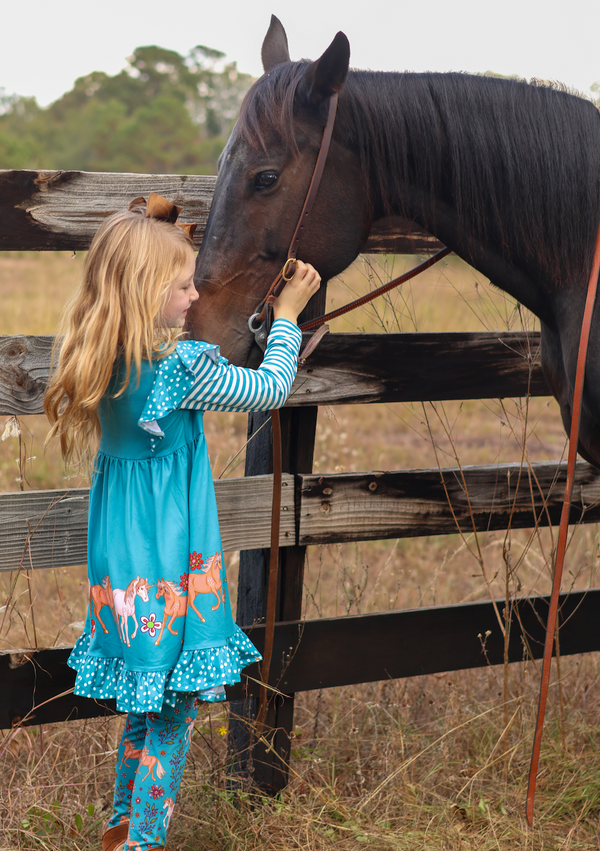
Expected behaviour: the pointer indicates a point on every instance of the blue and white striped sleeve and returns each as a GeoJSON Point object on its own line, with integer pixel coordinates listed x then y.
{"type": "Point", "coordinates": [223, 387]}
{"type": "Point", "coordinates": [195, 377]}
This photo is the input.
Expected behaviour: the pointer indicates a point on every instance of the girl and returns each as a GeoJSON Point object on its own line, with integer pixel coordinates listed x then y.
{"type": "Point", "coordinates": [159, 635]}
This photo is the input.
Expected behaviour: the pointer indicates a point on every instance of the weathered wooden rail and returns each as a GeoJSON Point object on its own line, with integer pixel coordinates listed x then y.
{"type": "Point", "coordinates": [409, 643]}
{"type": "Point", "coordinates": [61, 210]}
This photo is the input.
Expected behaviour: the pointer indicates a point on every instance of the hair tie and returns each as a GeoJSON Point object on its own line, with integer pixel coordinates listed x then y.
{"type": "Point", "coordinates": [160, 208]}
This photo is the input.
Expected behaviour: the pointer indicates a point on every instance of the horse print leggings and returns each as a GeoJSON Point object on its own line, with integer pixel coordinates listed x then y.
{"type": "Point", "coordinates": [150, 763]}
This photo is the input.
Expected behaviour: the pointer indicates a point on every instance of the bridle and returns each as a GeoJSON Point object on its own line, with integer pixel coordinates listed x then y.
{"type": "Point", "coordinates": [286, 273]}
{"type": "Point", "coordinates": [259, 324]}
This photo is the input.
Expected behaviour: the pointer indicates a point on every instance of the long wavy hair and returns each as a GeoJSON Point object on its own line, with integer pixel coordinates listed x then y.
{"type": "Point", "coordinates": [113, 315]}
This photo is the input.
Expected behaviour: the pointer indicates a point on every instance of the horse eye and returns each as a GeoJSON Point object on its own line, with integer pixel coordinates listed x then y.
{"type": "Point", "coordinates": [265, 180]}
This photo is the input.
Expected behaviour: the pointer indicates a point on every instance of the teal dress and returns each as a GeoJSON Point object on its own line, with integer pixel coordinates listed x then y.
{"type": "Point", "coordinates": [159, 620]}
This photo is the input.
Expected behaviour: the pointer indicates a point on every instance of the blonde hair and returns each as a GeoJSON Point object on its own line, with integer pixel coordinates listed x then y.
{"type": "Point", "coordinates": [114, 313]}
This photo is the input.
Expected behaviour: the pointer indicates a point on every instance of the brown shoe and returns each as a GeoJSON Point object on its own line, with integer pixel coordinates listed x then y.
{"type": "Point", "coordinates": [115, 837]}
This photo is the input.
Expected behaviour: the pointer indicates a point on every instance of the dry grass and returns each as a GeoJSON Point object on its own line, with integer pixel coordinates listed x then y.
{"type": "Point", "coordinates": [425, 763]}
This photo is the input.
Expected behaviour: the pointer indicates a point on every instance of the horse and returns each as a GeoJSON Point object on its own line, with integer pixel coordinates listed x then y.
{"type": "Point", "coordinates": [207, 582]}
{"type": "Point", "coordinates": [102, 595]}
{"type": "Point", "coordinates": [175, 605]}
{"type": "Point", "coordinates": [129, 752]}
{"type": "Point", "coordinates": [151, 763]}
{"type": "Point", "coordinates": [124, 605]}
{"type": "Point", "coordinates": [169, 805]}
{"type": "Point", "coordinates": [504, 172]}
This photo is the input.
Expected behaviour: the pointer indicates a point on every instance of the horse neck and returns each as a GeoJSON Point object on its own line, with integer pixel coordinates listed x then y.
{"type": "Point", "coordinates": [132, 590]}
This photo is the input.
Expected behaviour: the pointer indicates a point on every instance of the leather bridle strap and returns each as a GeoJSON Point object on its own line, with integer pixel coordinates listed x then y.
{"type": "Point", "coordinates": [365, 299]}
{"type": "Point", "coordinates": [289, 267]}
{"type": "Point", "coordinates": [564, 524]}
{"type": "Point", "coordinates": [261, 316]}
{"type": "Point", "coordinates": [315, 180]}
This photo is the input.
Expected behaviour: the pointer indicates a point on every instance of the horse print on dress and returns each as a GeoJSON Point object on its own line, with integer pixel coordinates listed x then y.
{"type": "Point", "coordinates": [151, 762]}
{"type": "Point", "coordinates": [129, 752]}
{"type": "Point", "coordinates": [102, 595]}
{"type": "Point", "coordinates": [207, 582]}
{"type": "Point", "coordinates": [170, 805]}
{"type": "Point", "coordinates": [175, 605]}
{"type": "Point", "coordinates": [125, 605]}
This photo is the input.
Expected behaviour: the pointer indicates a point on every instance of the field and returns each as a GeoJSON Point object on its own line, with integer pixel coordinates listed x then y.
{"type": "Point", "coordinates": [435, 762]}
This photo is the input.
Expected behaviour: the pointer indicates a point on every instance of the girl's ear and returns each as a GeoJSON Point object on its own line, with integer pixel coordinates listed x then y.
{"type": "Point", "coordinates": [275, 46]}
{"type": "Point", "coordinates": [328, 74]}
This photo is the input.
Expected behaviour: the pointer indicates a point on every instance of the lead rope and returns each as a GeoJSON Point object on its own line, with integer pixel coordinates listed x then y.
{"type": "Point", "coordinates": [273, 573]}
{"type": "Point", "coordinates": [564, 525]}
{"type": "Point", "coordinates": [262, 317]}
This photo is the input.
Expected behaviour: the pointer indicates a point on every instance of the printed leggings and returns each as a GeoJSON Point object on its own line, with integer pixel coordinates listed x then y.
{"type": "Point", "coordinates": [150, 763]}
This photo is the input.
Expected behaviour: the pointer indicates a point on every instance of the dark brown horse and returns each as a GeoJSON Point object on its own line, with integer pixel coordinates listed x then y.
{"type": "Point", "coordinates": [505, 173]}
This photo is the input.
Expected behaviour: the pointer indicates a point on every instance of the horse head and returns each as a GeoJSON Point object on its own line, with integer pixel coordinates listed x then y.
{"type": "Point", "coordinates": [504, 173]}
{"type": "Point", "coordinates": [264, 174]}
{"type": "Point", "coordinates": [142, 587]}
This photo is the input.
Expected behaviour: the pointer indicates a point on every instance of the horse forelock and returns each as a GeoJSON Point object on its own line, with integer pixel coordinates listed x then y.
{"type": "Point", "coordinates": [518, 162]}
{"type": "Point", "coordinates": [271, 104]}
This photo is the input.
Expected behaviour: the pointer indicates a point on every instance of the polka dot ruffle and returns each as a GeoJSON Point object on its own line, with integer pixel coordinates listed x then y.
{"type": "Point", "coordinates": [198, 670]}
{"type": "Point", "coordinates": [174, 378]}
{"type": "Point", "coordinates": [203, 672]}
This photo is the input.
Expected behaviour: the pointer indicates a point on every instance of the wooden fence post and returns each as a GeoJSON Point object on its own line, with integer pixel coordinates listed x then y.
{"type": "Point", "coordinates": [298, 428]}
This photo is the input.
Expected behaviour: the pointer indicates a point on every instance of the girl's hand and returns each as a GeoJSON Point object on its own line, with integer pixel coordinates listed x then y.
{"type": "Point", "coordinates": [296, 294]}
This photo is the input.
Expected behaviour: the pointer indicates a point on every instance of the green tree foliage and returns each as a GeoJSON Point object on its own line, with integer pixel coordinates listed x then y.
{"type": "Point", "coordinates": [165, 113]}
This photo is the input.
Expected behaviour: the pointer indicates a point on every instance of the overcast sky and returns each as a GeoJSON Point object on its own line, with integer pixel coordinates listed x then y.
{"type": "Point", "coordinates": [45, 46]}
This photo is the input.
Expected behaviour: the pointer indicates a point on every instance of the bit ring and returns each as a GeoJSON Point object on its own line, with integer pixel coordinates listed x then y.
{"type": "Point", "coordinates": [285, 269]}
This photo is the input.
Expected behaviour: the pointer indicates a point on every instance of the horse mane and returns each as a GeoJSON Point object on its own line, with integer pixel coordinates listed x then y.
{"type": "Point", "coordinates": [176, 589]}
{"type": "Point", "coordinates": [519, 162]}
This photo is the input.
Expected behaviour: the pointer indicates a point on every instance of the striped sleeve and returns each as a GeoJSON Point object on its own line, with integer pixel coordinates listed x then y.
{"type": "Point", "coordinates": [219, 386]}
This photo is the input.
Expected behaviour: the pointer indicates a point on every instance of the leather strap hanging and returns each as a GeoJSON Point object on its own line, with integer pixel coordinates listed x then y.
{"type": "Point", "coordinates": [564, 525]}
{"type": "Point", "coordinates": [262, 317]}
{"type": "Point", "coordinates": [262, 320]}
{"type": "Point", "coordinates": [273, 573]}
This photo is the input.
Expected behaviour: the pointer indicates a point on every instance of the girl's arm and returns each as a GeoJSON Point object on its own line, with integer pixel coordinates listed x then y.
{"type": "Point", "coordinates": [194, 377]}
{"type": "Point", "coordinates": [223, 387]}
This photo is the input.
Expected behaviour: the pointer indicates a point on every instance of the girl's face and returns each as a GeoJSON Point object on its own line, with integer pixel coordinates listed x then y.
{"type": "Point", "coordinates": [182, 294]}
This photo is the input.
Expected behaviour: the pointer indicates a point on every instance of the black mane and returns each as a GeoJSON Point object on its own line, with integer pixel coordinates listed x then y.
{"type": "Point", "coordinates": [519, 162]}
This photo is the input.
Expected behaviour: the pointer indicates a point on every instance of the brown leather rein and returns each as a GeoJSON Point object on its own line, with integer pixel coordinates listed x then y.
{"type": "Point", "coordinates": [564, 523]}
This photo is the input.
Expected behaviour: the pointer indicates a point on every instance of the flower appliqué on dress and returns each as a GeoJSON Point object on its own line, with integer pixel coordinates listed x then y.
{"type": "Point", "coordinates": [156, 792]}
{"type": "Point", "coordinates": [150, 624]}
{"type": "Point", "coordinates": [196, 560]}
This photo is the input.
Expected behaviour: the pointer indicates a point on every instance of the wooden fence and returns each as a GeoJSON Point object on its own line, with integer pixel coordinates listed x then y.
{"type": "Point", "coordinates": [61, 210]}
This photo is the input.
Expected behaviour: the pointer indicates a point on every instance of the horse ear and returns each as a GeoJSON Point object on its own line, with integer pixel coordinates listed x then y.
{"type": "Point", "coordinates": [275, 46]}
{"type": "Point", "coordinates": [328, 74]}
